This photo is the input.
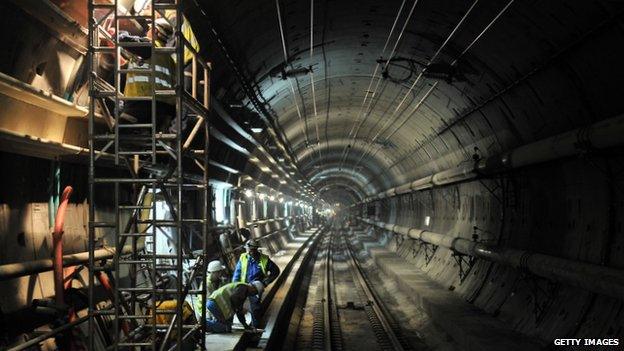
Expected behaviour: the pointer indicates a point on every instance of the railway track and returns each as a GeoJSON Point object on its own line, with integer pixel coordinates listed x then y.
{"type": "Point", "coordinates": [347, 313]}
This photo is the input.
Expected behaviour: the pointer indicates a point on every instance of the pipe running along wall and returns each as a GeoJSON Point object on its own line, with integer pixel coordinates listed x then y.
{"type": "Point", "coordinates": [604, 134]}
{"type": "Point", "coordinates": [20, 269]}
{"type": "Point", "coordinates": [591, 277]}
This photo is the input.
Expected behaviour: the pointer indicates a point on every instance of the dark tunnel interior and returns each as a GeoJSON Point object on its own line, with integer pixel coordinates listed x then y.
{"type": "Point", "coordinates": [460, 162]}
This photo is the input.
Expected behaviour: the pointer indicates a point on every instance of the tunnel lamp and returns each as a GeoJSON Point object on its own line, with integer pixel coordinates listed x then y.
{"type": "Point", "coordinates": [427, 220]}
{"type": "Point", "coordinates": [272, 198]}
{"type": "Point", "coordinates": [281, 199]}
{"type": "Point", "coordinates": [256, 130]}
{"type": "Point", "coordinates": [261, 196]}
{"type": "Point", "coordinates": [249, 193]}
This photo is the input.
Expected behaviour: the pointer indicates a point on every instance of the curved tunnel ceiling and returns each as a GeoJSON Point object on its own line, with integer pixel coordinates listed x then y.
{"type": "Point", "coordinates": [503, 74]}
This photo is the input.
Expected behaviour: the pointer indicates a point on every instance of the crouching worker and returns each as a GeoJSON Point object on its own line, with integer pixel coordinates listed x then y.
{"type": "Point", "coordinates": [255, 266]}
{"type": "Point", "coordinates": [216, 278]}
{"type": "Point", "coordinates": [227, 301]}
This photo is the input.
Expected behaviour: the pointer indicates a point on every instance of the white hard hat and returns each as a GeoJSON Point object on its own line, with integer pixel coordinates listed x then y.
{"type": "Point", "coordinates": [259, 286]}
{"type": "Point", "coordinates": [215, 266]}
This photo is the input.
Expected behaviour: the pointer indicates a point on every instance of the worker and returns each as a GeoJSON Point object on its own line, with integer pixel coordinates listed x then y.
{"type": "Point", "coordinates": [138, 84]}
{"type": "Point", "coordinates": [255, 266]}
{"type": "Point", "coordinates": [216, 276]}
{"type": "Point", "coordinates": [169, 303]}
{"type": "Point", "coordinates": [215, 279]}
{"type": "Point", "coordinates": [228, 301]}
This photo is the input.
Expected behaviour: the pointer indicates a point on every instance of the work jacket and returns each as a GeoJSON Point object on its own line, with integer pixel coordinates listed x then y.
{"type": "Point", "coordinates": [228, 299]}
{"type": "Point", "coordinates": [211, 287]}
{"type": "Point", "coordinates": [249, 270]}
{"type": "Point", "coordinates": [138, 84]}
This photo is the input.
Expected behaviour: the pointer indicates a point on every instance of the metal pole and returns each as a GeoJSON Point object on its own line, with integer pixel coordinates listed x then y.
{"type": "Point", "coordinates": [91, 235]}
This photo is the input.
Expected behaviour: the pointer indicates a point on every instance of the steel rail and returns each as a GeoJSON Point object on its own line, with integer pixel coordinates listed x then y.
{"type": "Point", "coordinates": [372, 298]}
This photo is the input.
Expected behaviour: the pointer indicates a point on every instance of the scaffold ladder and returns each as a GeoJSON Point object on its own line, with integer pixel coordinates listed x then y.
{"type": "Point", "coordinates": [135, 166]}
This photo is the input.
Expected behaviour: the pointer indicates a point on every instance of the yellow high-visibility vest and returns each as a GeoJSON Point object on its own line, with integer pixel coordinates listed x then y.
{"type": "Point", "coordinates": [244, 260]}
{"type": "Point", "coordinates": [222, 297]}
{"type": "Point", "coordinates": [138, 84]}
{"type": "Point", "coordinates": [188, 34]}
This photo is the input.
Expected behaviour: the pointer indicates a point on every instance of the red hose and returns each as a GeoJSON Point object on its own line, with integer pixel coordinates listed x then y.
{"type": "Point", "coordinates": [57, 240]}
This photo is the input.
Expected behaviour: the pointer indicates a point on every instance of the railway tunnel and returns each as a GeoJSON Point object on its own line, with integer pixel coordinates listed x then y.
{"type": "Point", "coordinates": [426, 175]}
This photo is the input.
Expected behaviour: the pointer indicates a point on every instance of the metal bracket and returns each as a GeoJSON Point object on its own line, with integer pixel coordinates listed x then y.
{"type": "Point", "coordinates": [398, 239]}
{"type": "Point", "coordinates": [414, 251]}
{"type": "Point", "coordinates": [543, 293]}
{"type": "Point", "coordinates": [465, 264]}
{"type": "Point", "coordinates": [429, 250]}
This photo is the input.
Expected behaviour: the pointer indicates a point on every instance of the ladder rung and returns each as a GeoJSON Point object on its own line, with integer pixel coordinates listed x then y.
{"type": "Point", "coordinates": [185, 185]}
{"type": "Point", "coordinates": [135, 262]}
{"type": "Point", "coordinates": [165, 223]}
{"type": "Point", "coordinates": [135, 98]}
{"type": "Point", "coordinates": [174, 256]}
{"type": "Point", "coordinates": [103, 225]}
{"type": "Point", "coordinates": [104, 137]}
{"type": "Point", "coordinates": [135, 235]}
{"type": "Point", "coordinates": [193, 220]}
{"type": "Point", "coordinates": [165, 93]}
{"type": "Point", "coordinates": [165, 50]}
{"type": "Point", "coordinates": [126, 153]}
{"type": "Point", "coordinates": [158, 136]}
{"type": "Point", "coordinates": [134, 44]}
{"type": "Point", "coordinates": [134, 207]}
{"type": "Point", "coordinates": [166, 136]}
{"type": "Point", "coordinates": [126, 344]}
{"type": "Point", "coordinates": [165, 326]}
{"type": "Point", "coordinates": [157, 291]}
{"type": "Point", "coordinates": [135, 125]}
{"type": "Point", "coordinates": [106, 49]}
{"type": "Point", "coordinates": [127, 17]}
{"type": "Point", "coordinates": [125, 180]}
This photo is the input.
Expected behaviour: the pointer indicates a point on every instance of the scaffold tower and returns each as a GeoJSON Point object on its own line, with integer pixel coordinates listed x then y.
{"type": "Point", "coordinates": [144, 171]}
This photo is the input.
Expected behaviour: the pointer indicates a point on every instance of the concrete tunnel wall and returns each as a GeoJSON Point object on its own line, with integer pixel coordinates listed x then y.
{"type": "Point", "coordinates": [539, 70]}
{"type": "Point", "coordinates": [567, 217]}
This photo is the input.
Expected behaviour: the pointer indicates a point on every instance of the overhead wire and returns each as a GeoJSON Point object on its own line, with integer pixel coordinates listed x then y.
{"type": "Point", "coordinates": [420, 75]}
{"type": "Point", "coordinates": [303, 122]}
{"type": "Point", "coordinates": [370, 84]}
{"type": "Point", "coordinates": [479, 36]}
{"type": "Point", "coordinates": [472, 43]}
{"type": "Point", "coordinates": [316, 117]}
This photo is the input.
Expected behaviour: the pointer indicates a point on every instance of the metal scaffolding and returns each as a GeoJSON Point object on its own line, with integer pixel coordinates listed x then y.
{"type": "Point", "coordinates": [144, 182]}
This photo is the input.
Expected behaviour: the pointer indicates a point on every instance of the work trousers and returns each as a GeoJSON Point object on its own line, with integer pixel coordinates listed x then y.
{"type": "Point", "coordinates": [218, 323]}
